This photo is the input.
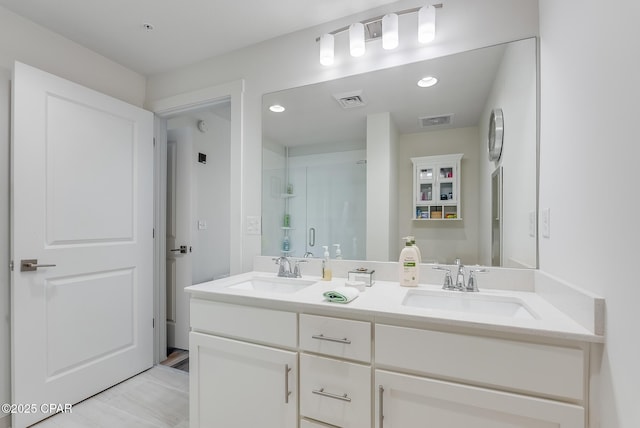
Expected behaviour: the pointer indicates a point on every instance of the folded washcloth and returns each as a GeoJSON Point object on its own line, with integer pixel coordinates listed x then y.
{"type": "Point", "coordinates": [341, 294]}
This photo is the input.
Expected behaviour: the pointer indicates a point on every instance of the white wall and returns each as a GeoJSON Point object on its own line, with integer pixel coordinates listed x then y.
{"type": "Point", "coordinates": [442, 241]}
{"type": "Point", "coordinates": [292, 60]}
{"type": "Point", "coordinates": [382, 185]}
{"type": "Point", "coordinates": [24, 41]}
{"type": "Point", "coordinates": [514, 91]}
{"type": "Point", "coordinates": [589, 176]}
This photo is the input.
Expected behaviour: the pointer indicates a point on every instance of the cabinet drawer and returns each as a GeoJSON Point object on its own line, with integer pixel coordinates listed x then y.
{"type": "Point", "coordinates": [409, 401]}
{"type": "Point", "coordinates": [335, 392]}
{"type": "Point", "coordinates": [336, 337]}
{"type": "Point", "coordinates": [519, 366]}
{"type": "Point", "coordinates": [244, 322]}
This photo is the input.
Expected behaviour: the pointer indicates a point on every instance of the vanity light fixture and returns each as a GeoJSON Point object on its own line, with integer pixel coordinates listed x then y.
{"type": "Point", "coordinates": [356, 39]}
{"type": "Point", "coordinates": [426, 24]}
{"type": "Point", "coordinates": [277, 108]}
{"type": "Point", "coordinates": [427, 81]}
{"type": "Point", "coordinates": [369, 29]}
{"type": "Point", "coordinates": [327, 43]}
{"type": "Point", "coordinates": [390, 31]}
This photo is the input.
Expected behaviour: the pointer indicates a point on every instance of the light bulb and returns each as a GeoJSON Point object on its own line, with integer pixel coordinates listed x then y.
{"type": "Point", "coordinates": [326, 49]}
{"type": "Point", "coordinates": [390, 31]}
{"type": "Point", "coordinates": [427, 82]}
{"type": "Point", "coordinates": [356, 39]}
{"type": "Point", "coordinates": [426, 24]}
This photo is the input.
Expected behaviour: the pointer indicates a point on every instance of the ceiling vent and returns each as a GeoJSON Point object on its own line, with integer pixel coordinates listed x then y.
{"type": "Point", "coordinates": [427, 122]}
{"type": "Point", "coordinates": [350, 99]}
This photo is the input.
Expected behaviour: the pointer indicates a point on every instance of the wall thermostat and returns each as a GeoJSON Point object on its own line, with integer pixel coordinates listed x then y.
{"type": "Point", "coordinates": [202, 126]}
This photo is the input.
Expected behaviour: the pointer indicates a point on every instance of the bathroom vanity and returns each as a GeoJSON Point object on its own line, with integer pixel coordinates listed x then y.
{"type": "Point", "coordinates": [270, 352]}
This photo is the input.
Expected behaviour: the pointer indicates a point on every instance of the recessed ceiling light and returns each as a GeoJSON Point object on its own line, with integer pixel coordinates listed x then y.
{"type": "Point", "coordinates": [276, 108]}
{"type": "Point", "coordinates": [427, 81]}
{"type": "Point", "coordinates": [148, 26]}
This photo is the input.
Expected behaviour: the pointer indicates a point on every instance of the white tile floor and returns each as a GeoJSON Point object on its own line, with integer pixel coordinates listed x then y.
{"type": "Point", "coordinates": [157, 398]}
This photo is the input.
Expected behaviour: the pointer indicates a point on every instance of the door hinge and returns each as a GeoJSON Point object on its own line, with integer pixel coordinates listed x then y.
{"type": "Point", "coordinates": [154, 233]}
{"type": "Point", "coordinates": [11, 265]}
{"type": "Point", "coordinates": [153, 322]}
{"type": "Point", "coordinates": [154, 141]}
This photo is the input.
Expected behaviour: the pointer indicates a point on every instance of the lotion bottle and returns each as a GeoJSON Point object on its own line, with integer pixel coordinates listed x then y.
{"type": "Point", "coordinates": [326, 268]}
{"type": "Point", "coordinates": [409, 265]}
{"type": "Point", "coordinates": [338, 252]}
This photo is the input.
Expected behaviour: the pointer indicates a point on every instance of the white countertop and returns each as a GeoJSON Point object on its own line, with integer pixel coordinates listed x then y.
{"type": "Point", "coordinates": [384, 300]}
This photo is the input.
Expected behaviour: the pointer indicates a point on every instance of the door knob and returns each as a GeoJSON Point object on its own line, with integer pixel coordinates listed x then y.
{"type": "Point", "coordinates": [30, 265]}
{"type": "Point", "coordinates": [181, 250]}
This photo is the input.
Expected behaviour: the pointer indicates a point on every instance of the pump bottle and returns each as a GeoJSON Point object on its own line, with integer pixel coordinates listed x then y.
{"type": "Point", "coordinates": [326, 268]}
{"type": "Point", "coordinates": [409, 265]}
{"type": "Point", "coordinates": [338, 252]}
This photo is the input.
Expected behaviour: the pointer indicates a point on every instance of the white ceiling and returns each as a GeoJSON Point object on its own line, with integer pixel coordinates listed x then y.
{"type": "Point", "coordinates": [185, 31]}
{"type": "Point", "coordinates": [313, 116]}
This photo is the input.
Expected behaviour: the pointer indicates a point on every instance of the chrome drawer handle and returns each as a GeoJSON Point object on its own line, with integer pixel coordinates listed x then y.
{"type": "Point", "coordinates": [331, 339]}
{"type": "Point", "coordinates": [287, 393]}
{"type": "Point", "coordinates": [381, 407]}
{"type": "Point", "coordinates": [322, 392]}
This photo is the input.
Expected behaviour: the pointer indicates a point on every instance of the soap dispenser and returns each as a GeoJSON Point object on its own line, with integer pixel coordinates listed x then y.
{"type": "Point", "coordinates": [326, 268]}
{"type": "Point", "coordinates": [409, 265]}
{"type": "Point", "coordinates": [338, 251]}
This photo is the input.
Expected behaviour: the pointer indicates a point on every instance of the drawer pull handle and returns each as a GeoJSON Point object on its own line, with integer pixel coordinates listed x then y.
{"type": "Point", "coordinates": [331, 339]}
{"type": "Point", "coordinates": [287, 393]}
{"type": "Point", "coordinates": [380, 408]}
{"type": "Point", "coordinates": [322, 392]}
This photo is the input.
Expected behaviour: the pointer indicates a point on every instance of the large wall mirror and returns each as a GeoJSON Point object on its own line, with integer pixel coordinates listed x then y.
{"type": "Point", "coordinates": [315, 157]}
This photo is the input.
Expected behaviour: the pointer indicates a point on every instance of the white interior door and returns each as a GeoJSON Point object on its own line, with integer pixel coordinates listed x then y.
{"type": "Point", "coordinates": [82, 201]}
{"type": "Point", "coordinates": [179, 269]}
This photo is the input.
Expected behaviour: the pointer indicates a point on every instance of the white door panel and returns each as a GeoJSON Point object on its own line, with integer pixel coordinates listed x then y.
{"type": "Point", "coordinates": [82, 200]}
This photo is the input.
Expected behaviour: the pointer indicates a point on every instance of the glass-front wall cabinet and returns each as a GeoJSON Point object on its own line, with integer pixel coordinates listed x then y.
{"type": "Point", "coordinates": [436, 187]}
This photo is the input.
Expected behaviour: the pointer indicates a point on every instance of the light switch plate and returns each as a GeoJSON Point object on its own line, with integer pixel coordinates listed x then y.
{"type": "Point", "coordinates": [202, 225]}
{"type": "Point", "coordinates": [545, 223]}
{"type": "Point", "coordinates": [254, 225]}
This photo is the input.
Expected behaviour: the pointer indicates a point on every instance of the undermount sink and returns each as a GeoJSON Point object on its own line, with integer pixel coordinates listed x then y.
{"type": "Point", "coordinates": [273, 284]}
{"type": "Point", "coordinates": [472, 303]}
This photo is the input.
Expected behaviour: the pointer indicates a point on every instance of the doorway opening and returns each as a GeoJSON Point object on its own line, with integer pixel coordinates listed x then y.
{"type": "Point", "coordinates": [197, 152]}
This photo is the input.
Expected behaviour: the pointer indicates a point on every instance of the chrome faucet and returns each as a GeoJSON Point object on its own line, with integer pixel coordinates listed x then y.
{"type": "Point", "coordinates": [284, 271]}
{"type": "Point", "coordinates": [459, 285]}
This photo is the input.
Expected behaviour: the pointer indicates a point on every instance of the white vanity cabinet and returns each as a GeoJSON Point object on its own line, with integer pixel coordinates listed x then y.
{"type": "Point", "coordinates": [279, 364]}
{"type": "Point", "coordinates": [436, 187]}
{"type": "Point", "coordinates": [235, 383]}
{"type": "Point", "coordinates": [490, 382]}
{"type": "Point", "coordinates": [335, 372]}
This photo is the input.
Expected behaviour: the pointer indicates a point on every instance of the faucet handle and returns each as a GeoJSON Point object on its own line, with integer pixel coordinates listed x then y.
{"type": "Point", "coordinates": [472, 285]}
{"type": "Point", "coordinates": [448, 281]}
{"type": "Point", "coordinates": [296, 267]}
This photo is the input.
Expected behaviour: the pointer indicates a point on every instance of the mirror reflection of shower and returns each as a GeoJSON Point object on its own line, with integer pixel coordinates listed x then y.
{"type": "Point", "coordinates": [313, 201]}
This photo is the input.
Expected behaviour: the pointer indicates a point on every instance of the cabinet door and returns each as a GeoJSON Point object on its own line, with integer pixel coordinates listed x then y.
{"type": "Point", "coordinates": [235, 384]}
{"type": "Point", "coordinates": [408, 401]}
